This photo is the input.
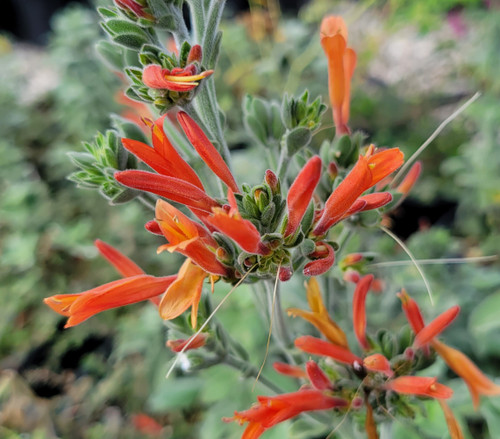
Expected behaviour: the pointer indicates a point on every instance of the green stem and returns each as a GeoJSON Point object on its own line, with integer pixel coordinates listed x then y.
{"type": "Point", "coordinates": [249, 370]}
{"type": "Point", "coordinates": [283, 164]}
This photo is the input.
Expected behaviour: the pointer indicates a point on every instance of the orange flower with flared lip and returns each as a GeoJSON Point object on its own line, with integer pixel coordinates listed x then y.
{"type": "Point", "coordinates": [476, 381]}
{"type": "Point", "coordinates": [230, 223]}
{"type": "Point", "coordinates": [272, 410]}
{"type": "Point", "coordinates": [188, 238]}
{"type": "Point", "coordinates": [183, 293]}
{"type": "Point", "coordinates": [178, 79]}
{"type": "Point", "coordinates": [368, 171]}
{"type": "Point", "coordinates": [341, 65]}
{"type": "Point", "coordinates": [79, 307]}
{"type": "Point", "coordinates": [319, 316]}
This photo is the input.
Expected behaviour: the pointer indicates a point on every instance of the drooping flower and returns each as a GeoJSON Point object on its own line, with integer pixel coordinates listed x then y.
{"type": "Point", "coordinates": [79, 307]}
{"type": "Point", "coordinates": [477, 382]}
{"type": "Point", "coordinates": [368, 170]}
{"type": "Point", "coordinates": [420, 386]}
{"type": "Point", "coordinates": [319, 316]}
{"type": "Point", "coordinates": [184, 292]}
{"type": "Point", "coordinates": [178, 79]}
{"type": "Point", "coordinates": [136, 287]}
{"type": "Point", "coordinates": [341, 65]}
{"type": "Point", "coordinates": [242, 231]}
{"type": "Point", "coordinates": [188, 238]}
{"type": "Point", "coordinates": [300, 193]}
{"type": "Point", "coordinates": [451, 421]}
{"type": "Point", "coordinates": [206, 150]}
{"type": "Point", "coordinates": [272, 410]}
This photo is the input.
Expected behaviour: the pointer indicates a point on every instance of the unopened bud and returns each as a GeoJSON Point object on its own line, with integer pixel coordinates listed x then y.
{"type": "Point", "coordinates": [333, 170]}
{"type": "Point", "coordinates": [273, 181]}
{"type": "Point", "coordinates": [352, 276]}
{"type": "Point", "coordinates": [357, 403]}
{"type": "Point", "coordinates": [285, 273]}
{"type": "Point", "coordinates": [409, 354]}
{"type": "Point", "coordinates": [195, 54]}
{"type": "Point", "coordinates": [249, 262]}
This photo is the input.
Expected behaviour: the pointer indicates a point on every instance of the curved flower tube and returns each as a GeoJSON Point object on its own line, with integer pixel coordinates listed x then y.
{"type": "Point", "coordinates": [368, 171]}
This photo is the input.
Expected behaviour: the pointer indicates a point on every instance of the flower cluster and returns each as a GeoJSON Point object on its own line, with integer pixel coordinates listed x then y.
{"type": "Point", "coordinates": [284, 226]}
{"type": "Point", "coordinates": [345, 381]}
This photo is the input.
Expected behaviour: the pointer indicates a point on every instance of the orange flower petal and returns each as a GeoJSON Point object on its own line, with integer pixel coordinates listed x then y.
{"type": "Point", "coordinates": [477, 382]}
{"type": "Point", "coordinates": [169, 187]}
{"type": "Point", "coordinates": [434, 328]}
{"type": "Point", "coordinates": [206, 150]}
{"type": "Point", "coordinates": [125, 266]}
{"type": "Point", "coordinates": [300, 193]}
{"type": "Point", "coordinates": [184, 292]}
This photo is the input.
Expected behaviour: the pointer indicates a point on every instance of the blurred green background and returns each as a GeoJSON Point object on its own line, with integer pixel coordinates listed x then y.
{"type": "Point", "coordinates": [418, 61]}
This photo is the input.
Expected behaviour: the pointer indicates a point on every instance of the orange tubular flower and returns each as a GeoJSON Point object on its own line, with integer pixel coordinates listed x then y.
{"type": "Point", "coordinates": [177, 79]}
{"type": "Point", "coordinates": [169, 187]}
{"type": "Point", "coordinates": [289, 370]}
{"type": "Point", "coordinates": [185, 292]}
{"type": "Point", "coordinates": [242, 231]}
{"type": "Point", "coordinates": [319, 316]}
{"type": "Point", "coordinates": [412, 312]}
{"type": "Point", "coordinates": [368, 171]}
{"type": "Point", "coordinates": [421, 386]}
{"type": "Point", "coordinates": [163, 157]}
{"type": "Point", "coordinates": [410, 179]}
{"type": "Point", "coordinates": [316, 346]}
{"type": "Point", "coordinates": [191, 343]}
{"type": "Point", "coordinates": [125, 266]}
{"type": "Point", "coordinates": [359, 310]}
{"type": "Point", "coordinates": [79, 307]}
{"type": "Point", "coordinates": [206, 150]}
{"type": "Point", "coordinates": [341, 65]}
{"type": "Point", "coordinates": [273, 410]}
{"type": "Point", "coordinates": [451, 421]}
{"type": "Point", "coordinates": [476, 381]}
{"type": "Point", "coordinates": [188, 238]}
{"type": "Point", "coordinates": [434, 328]}
{"type": "Point", "coordinates": [370, 425]}
{"type": "Point", "coordinates": [301, 192]}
